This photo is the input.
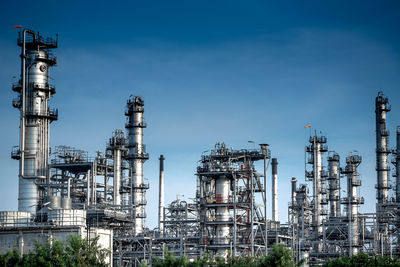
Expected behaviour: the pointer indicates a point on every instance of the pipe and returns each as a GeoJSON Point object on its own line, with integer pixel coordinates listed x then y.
{"type": "Point", "coordinates": [117, 177]}
{"type": "Point", "coordinates": [161, 197]}
{"type": "Point", "coordinates": [23, 87]}
{"type": "Point", "coordinates": [69, 188]}
{"type": "Point", "coordinates": [398, 164]}
{"type": "Point", "coordinates": [274, 167]}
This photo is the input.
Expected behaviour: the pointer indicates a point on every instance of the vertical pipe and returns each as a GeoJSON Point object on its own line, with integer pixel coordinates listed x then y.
{"type": "Point", "coordinates": [252, 210]}
{"type": "Point", "coordinates": [161, 197]}
{"type": "Point", "coordinates": [88, 194]}
{"type": "Point", "coordinates": [117, 177]}
{"type": "Point", "coordinates": [234, 214]}
{"type": "Point", "coordinates": [317, 168]}
{"type": "Point", "coordinates": [274, 167]}
{"type": "Point", "coordinates": [398, 164]}
{"type": "Point", "coordinates": [105, 179]}
{"type": "Point", "coordinates": [69, 188]}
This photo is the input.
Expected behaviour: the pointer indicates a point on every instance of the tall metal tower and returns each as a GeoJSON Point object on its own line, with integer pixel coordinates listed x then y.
{"type": "Point", "coordinates": [274, 165]}
{"type": "Point", "coordinates": [229, 216]}
{"type": "Point", "coordinates": [116, 148]}
{"type": "Point", "coordinates": [35, 90]}
{"type": "Point", "coordinates": [382, 151]}
{"type": "Point", "coordinates": [381, 108]}
{"type": "Point", "coordinates": [137, 156]}
{"type": "Point", "coordinates": [334, 185]}
{"type": "Point", "coordinates": [318, 176]}
{"type": "Point", "coordinates": [397, 164]}
{"type": "Point", "coordinates": [352, 203]}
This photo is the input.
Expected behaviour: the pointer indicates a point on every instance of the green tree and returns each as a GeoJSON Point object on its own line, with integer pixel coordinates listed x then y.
{"type": "Point", "coordinates": [74, 252]}
{"type": "Point", "coordinates": [279, 256]}
{"type": "Point", "coordinates": [363, 260]}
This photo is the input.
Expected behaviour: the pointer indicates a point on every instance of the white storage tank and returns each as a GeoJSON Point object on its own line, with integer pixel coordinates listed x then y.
{"type": "Point", "coordinates": [70, 217]}
{"type": "Point", "coordinates": [14, 218]}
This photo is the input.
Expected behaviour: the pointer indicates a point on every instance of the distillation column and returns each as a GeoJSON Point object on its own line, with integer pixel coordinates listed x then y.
{"type": "Point", "coordinates": [161, 197]}
{"type": "Point", "coordinates": [137, 156]}
{"type": "Point", "coordinates": [222, 213]}
{"type": "Point", "coordinates": [397, 162]}
{"type": "Point", "coordinates": [382, 151]}
{"type": "Point", "coordinates": [334, 190]}
{"type": "Point", "coordinates": [352, 202]}
{"type": "Point", "coordinates": [116, 146]}
{"type": "Point", "coordinates": [35, 117]}
{"type": "Point", "coordinates": [274, 165]}
{"type": "Point", "coordinates": [381, 108]}
{"type": "Point", "coordinates": [294, 188]}
{"type": "Point", "coordinates": [315, 150]}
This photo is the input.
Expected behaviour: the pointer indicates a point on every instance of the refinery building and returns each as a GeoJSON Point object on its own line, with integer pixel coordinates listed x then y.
{"type": "Point", "coordinates": [64, 190]}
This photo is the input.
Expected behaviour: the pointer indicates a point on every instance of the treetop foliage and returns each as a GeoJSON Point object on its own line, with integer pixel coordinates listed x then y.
{"type": "Point", "coordinates": [279, 256]}
{"type": "Point", "coordinates": [73, 253]}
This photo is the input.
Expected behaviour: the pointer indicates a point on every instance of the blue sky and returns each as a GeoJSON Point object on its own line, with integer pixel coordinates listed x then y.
{"type": "Point", "coordinates": [211, 71]}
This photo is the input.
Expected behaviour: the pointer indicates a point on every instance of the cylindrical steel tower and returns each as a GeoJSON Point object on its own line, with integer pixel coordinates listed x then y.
{"type": "Point", "coordinates": [334, 190]}
{"type": "Point", "coordinates": [35, 91]}
{"type": "Point", "coordinates": [352, 202]}
{"type": "Point", "coordinates": [274, 165]}
{"type": "Point", "coordinates": [116, 146]}
{"type": "Point", "coordinates": [317, 175]}
{"type": "Point", "coordinates": [397, 162]}
{"type": "Point", "coordinates": [381, 108]}
{"type": "Point", "coordinates": [137, 156]}
{"type": "Point", "coordinates": [222, 213]}
{"type": "Point", "coordinates": [161, 197]}
{"type": "Point", "coordinates": [294, 188]}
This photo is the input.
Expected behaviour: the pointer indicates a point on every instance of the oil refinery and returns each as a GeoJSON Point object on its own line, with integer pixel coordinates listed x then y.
{"type": "Point", "coordinates": [63, 190]}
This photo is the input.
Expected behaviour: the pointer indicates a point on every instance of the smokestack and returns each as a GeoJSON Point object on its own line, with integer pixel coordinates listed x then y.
{"type": "Point", "coordinates": [161, 197]}
{"type": "Point", "coordinates": [274, 165]}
